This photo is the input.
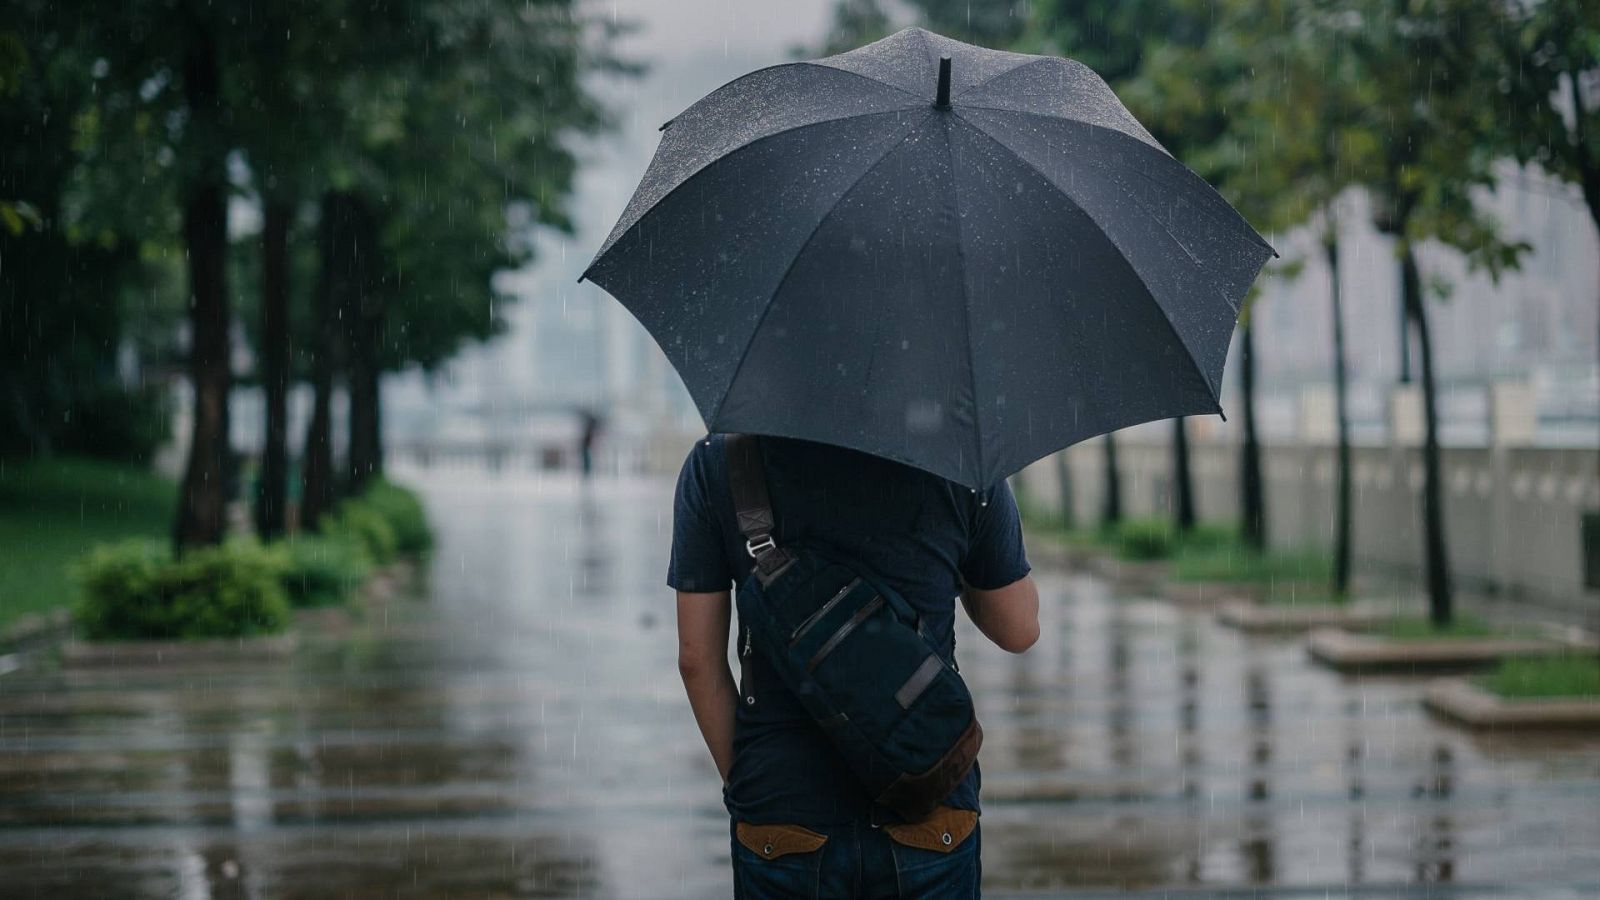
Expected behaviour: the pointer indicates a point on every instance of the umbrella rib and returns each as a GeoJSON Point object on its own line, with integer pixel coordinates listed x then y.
{"type": "Point", "coordinates": [1019, 67]}
{"type": "Point", "coordinates": [822, 64]}
{"type": "Point", "coordinates": [616, 237]}
{"type": "Point", "coordinates": [1188, 353]}
{"type": "Point", "coordinates": [966, 295]}
{"type": "Point", "coordinates": [789, 270]}
{"type": "Point", "coordinates": [812, 63]}
{"type": "Point", "coordinates": [1234, 221]}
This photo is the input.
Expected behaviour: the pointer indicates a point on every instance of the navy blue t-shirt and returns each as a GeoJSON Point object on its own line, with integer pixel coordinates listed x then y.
{"type": "Point", "coordinates": [919, 534]}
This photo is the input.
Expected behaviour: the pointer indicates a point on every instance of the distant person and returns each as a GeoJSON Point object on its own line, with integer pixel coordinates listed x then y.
{"type": "Point", "coordinates": [586, 442]}
{"type": "Point", "coordinates": [803, 825]}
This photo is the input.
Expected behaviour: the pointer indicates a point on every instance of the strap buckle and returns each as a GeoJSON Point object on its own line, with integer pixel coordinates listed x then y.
{"type": "Point", "coordinates": [757, 546]}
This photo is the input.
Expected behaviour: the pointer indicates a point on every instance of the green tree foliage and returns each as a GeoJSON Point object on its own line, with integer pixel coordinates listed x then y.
{"type": "Point", "coordinates": [66, 284]}
{"type": "Point", "coordinates": [155, 133]}
{"type": "Point", "coordinates": [1165, 62]}
{"type": "Point", "coordinates": [440, 130]}
{"type": "Point", "coordinates": [1549, 61]}
{"type": "Point", "coordinates": [1438, 133]}
{"type": "Point", "coordinates": [455, 151]}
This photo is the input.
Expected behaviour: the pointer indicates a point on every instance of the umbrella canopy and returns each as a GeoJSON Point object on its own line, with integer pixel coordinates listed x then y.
{"type": "Point", "coordinates": [962, 271]}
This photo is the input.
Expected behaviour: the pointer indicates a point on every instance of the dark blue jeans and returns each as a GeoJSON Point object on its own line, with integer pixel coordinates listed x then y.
{"type": "Point", "coordinates": [859, 861]}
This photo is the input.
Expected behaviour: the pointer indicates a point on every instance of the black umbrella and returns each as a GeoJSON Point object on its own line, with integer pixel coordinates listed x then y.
{"type": "Point", "coordinates": [955, 257]}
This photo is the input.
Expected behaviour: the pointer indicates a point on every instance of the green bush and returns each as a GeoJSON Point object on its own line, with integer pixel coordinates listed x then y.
{"type": "Point", "coordinates": [321, 571]}
{"type": "Point", "coordinates": [1145, 539]}
{"type": "Point", "coordinates": [135, 589]}
{"type": "Point", "coordinates": [403, 510]}
{"type": "Point", "coordinates": [354, 520]}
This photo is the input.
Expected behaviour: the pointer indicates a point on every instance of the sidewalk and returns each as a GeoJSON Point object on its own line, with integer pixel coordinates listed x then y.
{"type": "Point", "coordinates": [521, 731]}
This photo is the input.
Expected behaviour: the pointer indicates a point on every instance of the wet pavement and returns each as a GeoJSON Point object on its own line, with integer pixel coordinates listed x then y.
{"type": "Point", "coordinates": [515, 727]}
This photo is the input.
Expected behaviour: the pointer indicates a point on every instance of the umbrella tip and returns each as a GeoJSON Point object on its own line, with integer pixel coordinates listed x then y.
{"type": "Point", "coordinates": [1222, 414]}
{"type": "Point", "coordinates": [943, 99]}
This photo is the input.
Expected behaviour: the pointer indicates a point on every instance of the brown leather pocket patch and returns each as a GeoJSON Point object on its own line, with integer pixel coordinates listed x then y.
{"type": "Point", "coordinates": [942, 831]}
{"type": "Point", "coordinates": [773, 841]}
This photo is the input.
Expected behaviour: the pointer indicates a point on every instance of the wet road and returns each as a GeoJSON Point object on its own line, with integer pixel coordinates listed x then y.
{"type": "Point", "coordinates": [517, 729]}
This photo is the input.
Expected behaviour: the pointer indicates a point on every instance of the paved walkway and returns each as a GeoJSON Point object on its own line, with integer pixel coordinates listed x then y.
{"type": "Point", "coordinates": [520, 731]}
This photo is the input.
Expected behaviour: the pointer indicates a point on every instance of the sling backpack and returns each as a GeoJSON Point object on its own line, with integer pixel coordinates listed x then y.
{"type": "Point", "coordinates": [851, 650]}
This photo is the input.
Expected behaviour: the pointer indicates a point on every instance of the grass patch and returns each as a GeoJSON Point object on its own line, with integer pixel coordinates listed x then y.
{"type": "Point", "coordinates": [1145, 540]}
{"type": "Point", "coordinates": [53, 511]}
{"type": "Point", "coordinates": [1207, 552]}
{"type": "Point", "coordinates": [1547, 677]}
{"type": "Point", "coordinates": [1422, 629]}
{"type": "Point", "coordinates": [1049, 528]}
{"type": "Point", "coordinates": [1303, 596]}
{"type": "Point", "coordinates": [1232, 562]}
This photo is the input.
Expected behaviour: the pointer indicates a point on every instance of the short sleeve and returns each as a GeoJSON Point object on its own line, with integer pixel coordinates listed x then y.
{"type": "Point", "coordinates": [699, 562]}
{"type": "Point", "coordinates": [995, 556]}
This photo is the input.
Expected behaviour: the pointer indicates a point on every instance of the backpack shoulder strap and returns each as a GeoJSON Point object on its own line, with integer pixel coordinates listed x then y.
{"type": "Point", "coordinates": [752, 506]}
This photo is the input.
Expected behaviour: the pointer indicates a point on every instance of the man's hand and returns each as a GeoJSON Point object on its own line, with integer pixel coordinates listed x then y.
{"type": "Point", "coordinates": [703, 662]}
{"type": "Point", "coordinates": [1009, 616]}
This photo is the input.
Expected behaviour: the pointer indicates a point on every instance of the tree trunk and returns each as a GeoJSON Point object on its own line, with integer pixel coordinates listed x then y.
{"type": "Point", "coordinates": [1111, 507]}
{"type": "Point", "coordinates": [1182, 478]}
{"type": "Point", "coordinates": [1582, 159]}
{"type": "Point", "coordinates": [1405, 341]}
{"type": "Point", "coordinates": [1341, 387]}
{"type": "Point", "coordinates": [274, 353]}
{"type": "Point", "coordinates": [316, 461]}
{"type": "Point", "coordinates": [202, 503]}
{"type": "Point", "coordinates": [1252, 492]}
{"type": "Point", "coordinates": [1436, 562]}
{"type": "Point", "coordinates": [1064, 485]}
{"type": "Point", "coordinates": [1588, 167]}
{"type": "Point", "coordinates": [363, 303]}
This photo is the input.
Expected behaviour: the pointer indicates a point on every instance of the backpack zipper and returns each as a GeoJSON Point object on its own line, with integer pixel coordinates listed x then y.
{"type": "Point", "coordinates": [746, 687]}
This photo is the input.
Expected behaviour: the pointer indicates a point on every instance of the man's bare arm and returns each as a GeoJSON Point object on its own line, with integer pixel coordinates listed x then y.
{"type": "Point", "coordinates": [1009, 616]}
{"type": "Point", "coordinates": [703, 663]}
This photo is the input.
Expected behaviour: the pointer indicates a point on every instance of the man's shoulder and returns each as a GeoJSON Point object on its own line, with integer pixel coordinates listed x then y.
{"type": "Point", "coordinates": [702, 469]}
{"type": "Point", "coordinates": [706, 453]}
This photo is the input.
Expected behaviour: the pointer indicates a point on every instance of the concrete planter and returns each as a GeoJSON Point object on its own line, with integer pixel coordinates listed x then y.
{"type": "Point", "coordinates": [87, 654]}
{"type": "Point", "coordinates": [1460, 700]}
{"type": "Point", "coordinates": [1253, 618]}
{"type": "Point", "coordinates": [384, 586]}
{"type": "Point", "coordinates": [1364, 653]}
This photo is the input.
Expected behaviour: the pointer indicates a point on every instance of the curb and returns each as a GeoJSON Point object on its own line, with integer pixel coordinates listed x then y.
{"type": "Point", "coordinates": [1365, 654]}
{"type": "Point", "coordinates": [1464, 702]}
{"type": "Point", "coordinates": [1252, 618]}
{"type": "Point", "coordinates": [36, 627]}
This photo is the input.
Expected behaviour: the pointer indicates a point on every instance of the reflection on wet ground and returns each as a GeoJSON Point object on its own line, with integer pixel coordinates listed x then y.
{"type": "Point", "coordinates": [519, 730]}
